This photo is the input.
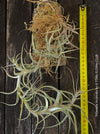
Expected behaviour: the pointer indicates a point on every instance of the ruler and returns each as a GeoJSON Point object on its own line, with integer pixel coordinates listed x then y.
{"type": "Point", "coordinates": [83, 68]}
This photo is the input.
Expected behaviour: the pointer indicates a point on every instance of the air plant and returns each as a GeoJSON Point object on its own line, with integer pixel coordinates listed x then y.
{"type": "Point", "coordinates": [39, 103]}
{"type": "Point", "coordinates": [52, 35]}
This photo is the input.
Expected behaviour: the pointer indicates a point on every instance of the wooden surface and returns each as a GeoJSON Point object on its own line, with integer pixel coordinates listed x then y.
{"type": "Point", "coordinates": [94, 62]}
{"type": "Point", "coordinates": [13, 14]}
{"type": "Point", "coordinates": [18, 12]}
{"type": "Point", "coordinates": [2, 61]}
{"type": "Point", "coordinates": [66, 83]}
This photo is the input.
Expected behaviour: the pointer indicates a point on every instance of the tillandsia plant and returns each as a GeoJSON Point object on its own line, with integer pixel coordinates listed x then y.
{"type": "Point", "coordinates": [52, 35]}
{"type": "Point", "coordinates": [39, 103]}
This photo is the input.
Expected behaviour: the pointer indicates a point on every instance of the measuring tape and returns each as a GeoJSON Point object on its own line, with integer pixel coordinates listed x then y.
{"type": "Point", "coordinates": [83, 69]}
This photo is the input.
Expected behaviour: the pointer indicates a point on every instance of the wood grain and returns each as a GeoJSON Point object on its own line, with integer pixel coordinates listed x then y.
{"type": "Point", "coordinates": [94, 63]}
{"type": "Point", "coordinates": [2, 61]}
{"type": "Point", "coordinates": [18, 12]}
{"type": "Point", "coordinates": [66, 83]}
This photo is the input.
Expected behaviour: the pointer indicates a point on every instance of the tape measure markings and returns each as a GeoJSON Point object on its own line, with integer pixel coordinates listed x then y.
{"type": "Point", "coordinates": [83, 68]}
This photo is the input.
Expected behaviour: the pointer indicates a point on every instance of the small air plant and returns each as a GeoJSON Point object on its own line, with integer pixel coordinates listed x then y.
{"type": "Point", "coordinates": [52, 35]}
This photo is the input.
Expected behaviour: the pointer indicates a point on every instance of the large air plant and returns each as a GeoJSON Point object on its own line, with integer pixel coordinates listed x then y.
{"type": "Point", "coordinates": [39, 103]}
